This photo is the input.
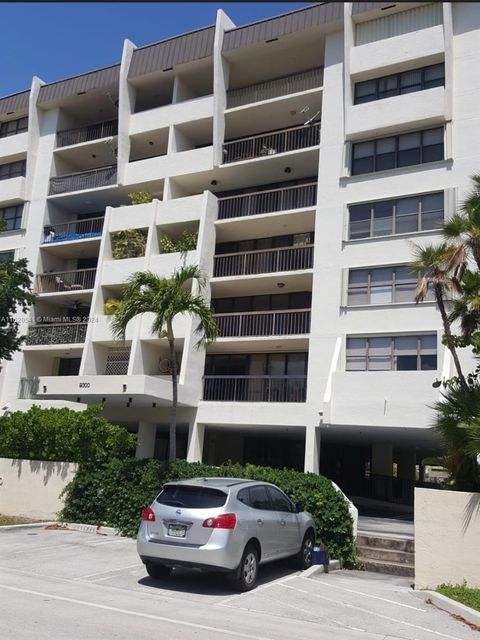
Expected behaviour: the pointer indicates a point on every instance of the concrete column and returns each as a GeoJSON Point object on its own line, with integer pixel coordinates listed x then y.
{"type": "Point", "coordinates": [382, 459]}
{"type": "Point", "coordinates": [147, 433]}
{"type": "Point", "coordinates": [196, 435]}
{"type": "Point", "coordinates": [312, 449]}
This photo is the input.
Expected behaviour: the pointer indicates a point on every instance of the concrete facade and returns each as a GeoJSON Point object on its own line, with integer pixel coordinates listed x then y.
{"type": "Point", "coordinates": [204, 137]}
{"type": "Point", "coordinates": [447, 533]}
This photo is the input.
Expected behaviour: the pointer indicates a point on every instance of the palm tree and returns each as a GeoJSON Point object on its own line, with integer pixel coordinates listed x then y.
{"type": "Point", "coordinates": [466, 308]}
{"type": "Point", "coordinates": [146, 292]}
{"type": "Point", "coordinates": [463, 227]}
{"type": "Point", "coordinates": [432, 264]}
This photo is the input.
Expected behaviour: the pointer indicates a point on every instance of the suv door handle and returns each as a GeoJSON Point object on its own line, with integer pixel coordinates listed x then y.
{"type": "Point", "coordinates": [282, 522]}
{"type": "Point", "coordinates": [259, 521]}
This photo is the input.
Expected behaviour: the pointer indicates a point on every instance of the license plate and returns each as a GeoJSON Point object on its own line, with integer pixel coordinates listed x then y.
{"type": "Point", "coordinates": [176, 531]}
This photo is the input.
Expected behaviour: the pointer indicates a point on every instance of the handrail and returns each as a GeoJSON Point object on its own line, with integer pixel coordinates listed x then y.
{"type": "Point", "coordinates": [60, 281]}
{"type": "Point", "coordinates": [287, 388]}
{"type": "Point", "coordinates": [271, 143]}
{"type": "Point", "coordinates": [60, 232]}
{"type": "Point", "coordinates": [264, 261]}
{"type": "Point", "coordinates": [275, 87]}
{"type": "Point", "coordinates": [258, 202]}
{"type": "Point", "coordinates": [264, 323]}
{"type": "Point", "coordinates": [253, 313]}
{"type": "Point", "coordinates": [256, 193]}
{"type": "Point", "coordinates": [255, 251]}
{"type": "Point", "coordinates": [88, 132]}
{"type": "Point", "coordinates": [91, 179]}
{"type": "Point", "coordinates": [61, 333]}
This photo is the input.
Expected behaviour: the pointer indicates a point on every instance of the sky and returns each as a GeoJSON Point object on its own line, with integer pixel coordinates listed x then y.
{"type": "Point", "coordinates": [55, 40]}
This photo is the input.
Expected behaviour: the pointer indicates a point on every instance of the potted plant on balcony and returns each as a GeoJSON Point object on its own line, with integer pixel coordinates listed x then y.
{"type": "Point", "coordinates": [140, 197]}
{"type": "Point", "coordinates": [110, 306]}
{"type": "Point", "coordinates": [186, 242]}
{"type": "Point", "coordinates": [129, 243]}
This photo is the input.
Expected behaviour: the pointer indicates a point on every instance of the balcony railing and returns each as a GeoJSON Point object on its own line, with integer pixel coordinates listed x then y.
{"type": "Point", "coordinates": [117, 361]}
{"type": "Point", "coordinates": [74, 230]}
{"type": "Point", "coordinates": [269, 144]}
{"type": "Point", "coordinates": [28, 388]}
{"type": "Point", "coordinates": [263, 261]}
{"type": "Point", "coordinates": [293, 83]}
{"type": "Point", "coordinates": [66, 333]}
{"type": "Point", "coordinates": [282, 199]}
{"type": "Point", "coordinates": [57, 281]}
{"type": "Point", "coordinates": [87, 133]}
{"type": "Point", "coordinates": [92, 179]}
{"type": "Point", "coordinates": [255, 388]}
{"type": "Point", "coordinates": [263, 323]}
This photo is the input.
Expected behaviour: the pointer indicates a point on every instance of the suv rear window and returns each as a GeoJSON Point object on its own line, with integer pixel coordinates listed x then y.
{"type": "Point", "coordinates": [192, 497]}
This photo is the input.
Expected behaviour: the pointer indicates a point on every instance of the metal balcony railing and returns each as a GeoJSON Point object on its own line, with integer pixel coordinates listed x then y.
{"type": "Point", "coordinates": [263, 261]}
{"type": "Point", "coordinates": [56, 281]}
{"type": "Point", "coordinates": [91, 179]}
{"type": "Point", "coordinates": [88, 132]}
{"type": "Point", "coordinates": [263, 323]}
{"type": "Point", "coordinates": [269, 144]}
{"type": "Point", "coordinates": [74, 230]}
{"type": "Point", "coordinates": [255, 388]}
{"type": "Point", "coordinates": [66, 333]}
{"type": "Point", "coordinates": [281, 199]}
{"type": "Point", "coordinates": [292, 83]}
{"type": "Point", "coordinates": [117, 361]}
{"type": "Point", "coordinates": [28, 388]}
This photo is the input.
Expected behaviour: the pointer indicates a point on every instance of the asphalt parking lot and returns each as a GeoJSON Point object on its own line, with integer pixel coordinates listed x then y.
{"type": "Point", "coordinates": [71, 585]}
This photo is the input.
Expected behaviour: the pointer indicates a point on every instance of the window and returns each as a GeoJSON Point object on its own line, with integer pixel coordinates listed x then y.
{"type": "Point", "coordinates": [12, 127]}
{"type": "Point", "coordinates": [256, 364]}
{"type": "Point", "coordinates": [397, 151]}
{"type": "Point", "coordinates": [258, 498]}
{"type": "Point", "coordinates": [279, 501]}
{"type": "Point", "coordinates": [384, 285]}
{"type": "Point", "coordinates": [12, 170]}
{"type": "Point", "coordinates": [392, 353]}
{"type": "Point", "coordinates": [390, 217]}
{"type": "Point", "coordinates": [7, 255]}
{"type": "Point", "coordinates": [400, 83]}
{"type": "Point", "coordinates": [192, 497]}
{"type": "Point", "coordinates": [271, 302]}
{"type": "Point", "coordinates": [69, 366]}
{"type": "Point", "coordinates": [12, 217]}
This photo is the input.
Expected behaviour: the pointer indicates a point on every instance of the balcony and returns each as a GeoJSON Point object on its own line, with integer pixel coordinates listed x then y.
{"type": "Point", "coordinates": [65, 333]}
{"type": "Point", "coordinates": [282, 199]}
{"type": "Point", "coordinates": [263, 323]}
{"type": "Point", "coordinates": [263, 261]}
{"type": "Point", "coordinates": [87, 133]}
{"type": "Point", "coordinates": [268, 144]}
{"type": "Point", "coordinates": [292, 83]}
{"type": "Point", "coordinates": [28, 388]}
{"type": "Point", "coordinates": [74, 230]}
{"type": "Point", "coordinates": [102, 177]}
{"type": "Point", "coordinates": [255, 388]}
{"type": "Point", "coordinates": [60, 281]}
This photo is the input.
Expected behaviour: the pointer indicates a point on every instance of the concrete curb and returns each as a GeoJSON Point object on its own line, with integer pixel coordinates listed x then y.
{"type": "Point", "coordinates": [316, 569]}
{"type": "Point", "coordinates": [31, 525]}
{"type": "Point", "coordinates": [453, 607]}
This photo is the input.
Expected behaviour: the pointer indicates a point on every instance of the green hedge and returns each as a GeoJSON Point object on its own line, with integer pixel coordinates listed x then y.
{"type": "Point", "coordinates": [63, 434]}
{"type": "Point", "coordinates": [114, 494]}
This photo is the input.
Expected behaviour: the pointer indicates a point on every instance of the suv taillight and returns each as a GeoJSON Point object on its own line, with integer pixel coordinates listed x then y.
{"type": "Point", "coordinates": [224, 521]}
{"type": "Point", "coordinates": [147, 514]}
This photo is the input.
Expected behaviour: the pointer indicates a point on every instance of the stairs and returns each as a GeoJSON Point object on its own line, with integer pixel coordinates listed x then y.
{"type": "Point", "coordinates": [393, 555]}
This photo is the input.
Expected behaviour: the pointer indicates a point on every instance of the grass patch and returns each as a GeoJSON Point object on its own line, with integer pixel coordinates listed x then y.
{"type": "Point", "coordinates": [461, 593]}
{"type": "Point", "coordinates": [6, 520]}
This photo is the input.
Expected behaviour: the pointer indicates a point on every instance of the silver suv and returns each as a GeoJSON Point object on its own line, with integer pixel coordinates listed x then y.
{"type": "Point", "coordinates": [223, 524]}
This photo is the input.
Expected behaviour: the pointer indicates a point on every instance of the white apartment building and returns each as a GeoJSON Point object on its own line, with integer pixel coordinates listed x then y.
{"type": "Point", "coordinates": [307, 151]}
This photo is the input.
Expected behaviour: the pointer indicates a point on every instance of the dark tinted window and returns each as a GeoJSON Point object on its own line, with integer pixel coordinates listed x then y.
{"type": "Point", "coordinates": [400, 83]}
{"type": "Point", "coordinates": [244, 497]}
{"type": "Point", "coordinates": [192, 497]}
{"type": "Point", "coordinates": [258, 498]}
{"type": "Point", "coordinates": [279, 501]}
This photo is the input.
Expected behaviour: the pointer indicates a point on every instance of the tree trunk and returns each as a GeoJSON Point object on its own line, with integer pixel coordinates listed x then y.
{"type": "Point", "coordinates": [172, 453]}
{"type": "Point", "coordinates": [448, 333]}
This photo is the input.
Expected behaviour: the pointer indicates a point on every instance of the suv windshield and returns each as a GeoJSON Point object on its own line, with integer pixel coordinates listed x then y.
{"type": "Point", "coordinates": [192, 497]}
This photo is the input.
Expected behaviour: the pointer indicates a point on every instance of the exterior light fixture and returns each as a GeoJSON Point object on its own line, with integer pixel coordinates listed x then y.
{"type": "Point", "coordinates": [104, 400]}
{"type": "Point", "coordinates": [280, 285]}
{"type": "Point", "coordinates": [151, 143]}
{"type": "Point", "coordinates": [44, 389]}
{"type": "Point", "coordinates": [124, 387]}
{"type": "Point", "coordinates": [154, 404]}
{"type": "Point", "coordinates": [214, 183]}
{"type": "Point", "coordinates": [288, 170]}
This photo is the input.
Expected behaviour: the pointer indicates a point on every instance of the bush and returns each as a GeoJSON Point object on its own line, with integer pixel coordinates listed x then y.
{"type": "Point", "coordinates": [114, 494]}
{"type": "Point", "coordinates": [129, 243]}
{"type": "Point", "coordinates": [63, 434]}
{"type": "Point", "coordinates": [110, 306]}
{"type": "Point", "coordinates": [186, 242]}
{"type": "Point", "coordinates": [140, 197]}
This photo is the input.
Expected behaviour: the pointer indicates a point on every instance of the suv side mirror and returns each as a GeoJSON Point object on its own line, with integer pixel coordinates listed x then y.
{"type": "Point", "coordinates": [299, 507]}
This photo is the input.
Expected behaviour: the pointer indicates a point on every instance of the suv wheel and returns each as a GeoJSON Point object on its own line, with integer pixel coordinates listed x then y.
{"type": "Point", "coordinates": [158, 571]}
{"type": "Point", "coordinates": [304, 556]}
{"type": "Point", "coordinates": [245, 577]}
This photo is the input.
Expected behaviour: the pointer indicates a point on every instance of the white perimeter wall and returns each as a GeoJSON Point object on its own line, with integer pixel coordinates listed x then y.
{"type": "Point", "coordinates": [31, 488]}
{"type": "Point", "coordinates": [447, 538]}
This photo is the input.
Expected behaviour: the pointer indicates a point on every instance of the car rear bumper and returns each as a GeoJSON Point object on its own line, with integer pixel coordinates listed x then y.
{"type": "Point", "coordinates": [222, 552]}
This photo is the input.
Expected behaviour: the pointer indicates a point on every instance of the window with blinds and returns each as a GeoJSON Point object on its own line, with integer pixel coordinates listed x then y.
{"type": "Point", "coordinates": [392, 353]}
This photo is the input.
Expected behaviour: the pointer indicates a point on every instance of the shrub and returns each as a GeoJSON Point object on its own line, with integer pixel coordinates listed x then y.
{"type": "Point", "coordinates": [63, 434]}
{"type": "Point", "coordinates": [186, 242]}
{"type": "Point", "coordinates": [110, 306]}
{"type": "Point", "coordinates": [115, 493]}
{"type": "Point", "coordinates": [140, 197]}
{"type": "Point", "coordinates": [129, 243]}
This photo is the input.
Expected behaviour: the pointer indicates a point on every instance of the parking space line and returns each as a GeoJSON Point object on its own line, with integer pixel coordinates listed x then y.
{"type": "Point", "coordinates": [260, 588]}
{"type": "Point", "coordinates": [138, 614]}
{"type": "Point", "coordinates": [102, 573]}
{"type": "Point", "coordinates": [372, 613]}
{"type": "Point", "coordinates": [97, 544]}
{"type": "Point", "coordinates": [365, 595]}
